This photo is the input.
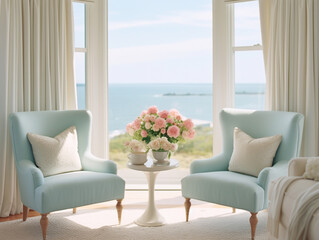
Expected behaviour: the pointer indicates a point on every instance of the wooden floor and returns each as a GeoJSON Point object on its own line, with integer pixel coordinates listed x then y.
{"type": "Point", "coordinates": [18, 216]}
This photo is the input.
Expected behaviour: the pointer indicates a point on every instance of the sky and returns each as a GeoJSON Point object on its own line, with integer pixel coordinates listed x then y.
{"type": "Point", "coordinates": [171, 41]}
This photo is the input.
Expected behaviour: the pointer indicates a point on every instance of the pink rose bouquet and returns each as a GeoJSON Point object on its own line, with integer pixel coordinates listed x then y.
{"type": "Point", "coordinates": [161, 130]}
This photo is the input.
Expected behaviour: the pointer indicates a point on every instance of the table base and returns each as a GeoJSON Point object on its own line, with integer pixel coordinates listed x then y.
{"type": "Point", "coordinates": [151, 217]}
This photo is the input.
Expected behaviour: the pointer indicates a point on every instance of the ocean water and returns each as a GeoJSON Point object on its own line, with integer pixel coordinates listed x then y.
{"type": "Point", "coordinates": [127, 101]}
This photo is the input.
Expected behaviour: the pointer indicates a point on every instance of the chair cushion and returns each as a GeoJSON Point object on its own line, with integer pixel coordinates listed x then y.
{"type": "Point", "coordinates": [56, 155]}
{"type": "Point", "coordinates": [251, 155]}
{"type": "Point", "coordinates": [76, 189]}
{"type": "Point", "coordinates": [226, 188]}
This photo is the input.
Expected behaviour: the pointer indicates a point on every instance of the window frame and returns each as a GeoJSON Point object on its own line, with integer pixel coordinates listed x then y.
{"type": "Point", "coordinates": [240, 48]}
{"type": "Point", "coordinates": [83, 49]}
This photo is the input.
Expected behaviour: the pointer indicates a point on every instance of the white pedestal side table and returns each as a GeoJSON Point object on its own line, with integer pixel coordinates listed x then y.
{"type": "Point", "coordinates": [151, 217]}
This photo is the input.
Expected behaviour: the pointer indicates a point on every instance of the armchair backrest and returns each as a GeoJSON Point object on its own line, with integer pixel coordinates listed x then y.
{"type": "Point", "coordinates": [260, 124]}
{"type": "Point", "coordinates": [47, 123]}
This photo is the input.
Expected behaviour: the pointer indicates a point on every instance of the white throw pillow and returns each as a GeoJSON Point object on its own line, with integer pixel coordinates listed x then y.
{"type": "Point", "coordinates": [251, 155]}
{"type": "Point", "coordinates": [312, 169]}
{"type": "Point", "coordinates": [56, 155]}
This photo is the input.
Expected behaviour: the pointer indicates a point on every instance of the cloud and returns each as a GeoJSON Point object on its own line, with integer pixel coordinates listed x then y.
{"type": "Point", "coordinates": [158, 52]}
{"type": "Point", "coordinates": [202, 18]}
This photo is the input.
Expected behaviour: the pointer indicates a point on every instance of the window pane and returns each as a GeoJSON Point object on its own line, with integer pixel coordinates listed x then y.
{"type": "Point", "coordinates": [79, 24]}
{"type": "Point", "coordinates": [247, 23]}
{"type": "Point", "coordinates": [249, 80]}
{"type": "Point", "coordinates": [80, 76]}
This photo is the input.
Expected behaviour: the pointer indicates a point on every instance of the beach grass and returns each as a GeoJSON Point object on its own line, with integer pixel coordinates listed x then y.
{"type": "Point", "coordinates": [201, 147]}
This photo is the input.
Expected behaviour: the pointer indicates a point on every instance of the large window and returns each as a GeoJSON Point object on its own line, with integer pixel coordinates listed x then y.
{"type": "Point", "coordinates": [160, 53]}
{"type": "Point", "coordinates": [249, 73]}
{"type": "Point", "coordinates": [80, 52]}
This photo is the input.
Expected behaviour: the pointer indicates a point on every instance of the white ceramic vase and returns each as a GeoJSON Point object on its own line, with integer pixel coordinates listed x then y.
{"type": "Point", "coordinates": [137, 157]}
{"type": "Point", "coordinates": [160, 156]}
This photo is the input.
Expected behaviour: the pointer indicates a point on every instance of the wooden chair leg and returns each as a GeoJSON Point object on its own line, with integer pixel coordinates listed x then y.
{"type": "Point", "coordinates": [187, 205]}
{"type": "Point", "coordinates": [25, 212]}
{"type": "Point", "coordinates": [74, 210]}
{"type": "Point", "coordinates": [44, 224]}
{"type": "Point", "coordinates": [119, 209]}
{"type": "Point", "coordinates": [253, 224]}
{"type": "Point", "coordinates": [234, 210]}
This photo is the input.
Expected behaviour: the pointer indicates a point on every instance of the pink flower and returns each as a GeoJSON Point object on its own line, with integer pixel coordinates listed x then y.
{"type": "Point", "coordinates": [173, 113]}
{"type": "Point", "coordinates": [128, 126]}
{"type": "Point", "coordinates": [163, 131]}
{"type": "Point", "coordinates": [191, 133]}
{"type": "Point", "coordinates": [163, 114]}
{"type": "Point", "coordinates": [185, 134]}
{"type": "Point", "coordinates": [163, 140]}
{"type": "Point", "coordinates": [152, 110]}
{"type": "Point", "coordinates": [160, 122]}
{"type": "Point", "coordinates": [179, 117]}
{"type": "Point", "coordinates": [143, 114]}
{"type": "Point", "coordinates": [152, 118]}
{"type": "Point", "coordinates": [169, 120]}
{"type": "Point", "coordinates": [147, 117]}
{"type": "Point", "coordinates": [144, 133]}
{"type": "Point", "coordinates": [129, 129]}
{"type": "Point", "coordinates": [148, 125]}
{"type": "Point", "coordinates": [188, 124]}
{"type": "Point", "coordinates": [173, 147]}
{"type": "Point", "coordinates": [155, 144]}
{"type": "Point", "coordinates": [166, 146]}
{"type": "Point", "coordinates": [173, 131]}
{"type": "Point", "coordinates": [136, 124]}
{"type": "Point", "coordinates": [136, 146]}
{"type": "Point", "coordinates": [155, 128]}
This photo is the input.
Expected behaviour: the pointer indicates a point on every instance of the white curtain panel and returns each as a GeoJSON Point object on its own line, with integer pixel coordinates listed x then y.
{"type": "Point", "coordinates": [223, 84]}
{"type": "Point", "coordinates": [36, 73]}
{"type": "Point", "coordinates": [97, 79]}
{"type": "Point", "coordinates": [290, 30]}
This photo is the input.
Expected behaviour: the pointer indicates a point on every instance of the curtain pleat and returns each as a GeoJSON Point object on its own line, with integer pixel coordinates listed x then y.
{"type": "Point", "coordinates": [290, 39]}
{"type": "Point", "coordinates": [36, 73]}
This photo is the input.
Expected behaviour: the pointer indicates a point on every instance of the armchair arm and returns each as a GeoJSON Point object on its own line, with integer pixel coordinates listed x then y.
{"type": "Point", "coordinates": [29, 173]}
{"type": "Point", "coordinates": [217, 163]}
{"type": "Point", "coordinates": [30, 177]}
{"type": "Point", "coordinates": [297, 166]}
{"type": "Point", "coordinates": [93, 163]}
{"type": "Point", "coordinates": [270, 173]}
{"type": "Point", "coordinates": [267, 175]}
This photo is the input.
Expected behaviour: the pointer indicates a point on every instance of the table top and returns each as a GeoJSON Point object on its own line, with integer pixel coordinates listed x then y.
{"type": "Point", "coordinates": [151, 166]}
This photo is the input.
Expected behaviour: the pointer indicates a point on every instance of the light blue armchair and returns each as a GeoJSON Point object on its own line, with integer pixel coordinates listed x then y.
{"type": "Point", "coordinates": [97, 182]}
{"type": "Point", "coordinates": [210, 179]}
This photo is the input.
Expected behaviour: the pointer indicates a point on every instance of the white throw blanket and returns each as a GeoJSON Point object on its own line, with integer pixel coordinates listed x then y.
{"type": "Point", "coordinates": [305, 206]}
{"type": "Point", "coordinates": [276, 196]}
